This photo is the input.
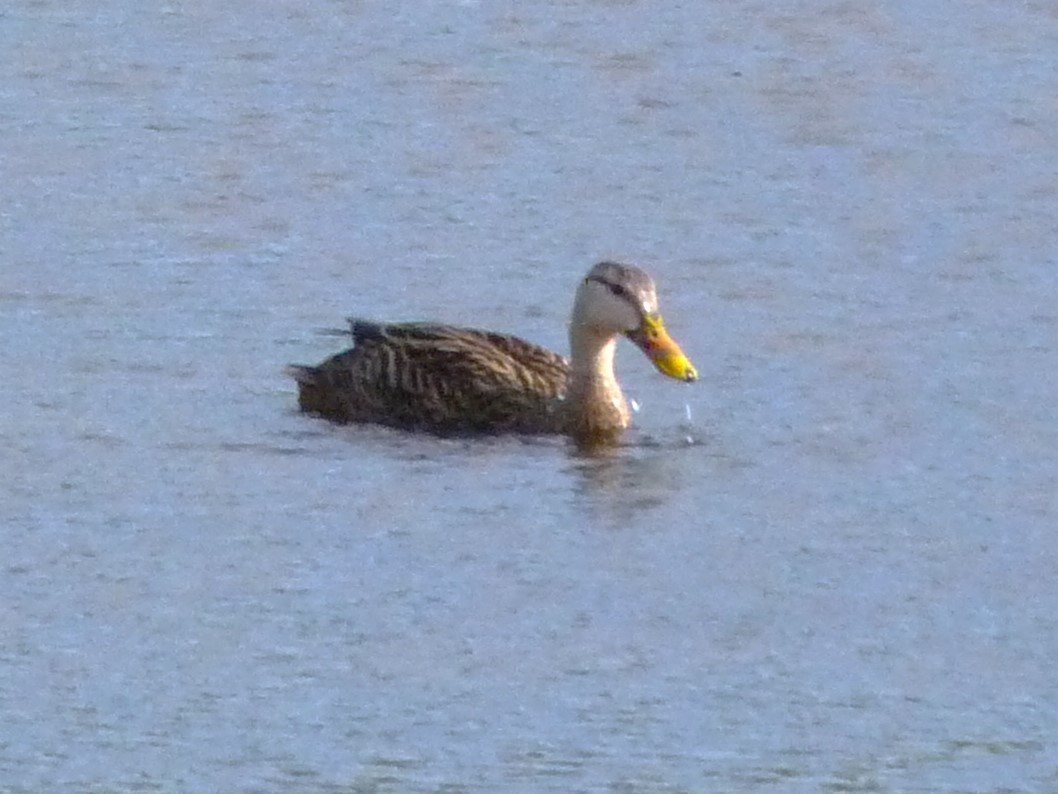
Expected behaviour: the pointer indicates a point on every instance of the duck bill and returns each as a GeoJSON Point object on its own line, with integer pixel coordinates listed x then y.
{"type": "Point", "coordinates": [652, 338]}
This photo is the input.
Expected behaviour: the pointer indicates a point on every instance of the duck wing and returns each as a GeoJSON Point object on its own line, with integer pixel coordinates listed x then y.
{"type": "Point", "coordinates": [440, 378]}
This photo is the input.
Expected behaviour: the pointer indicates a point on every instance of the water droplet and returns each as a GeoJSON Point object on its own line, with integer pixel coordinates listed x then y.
{"type": "Point", "coordinates": [635, 404]}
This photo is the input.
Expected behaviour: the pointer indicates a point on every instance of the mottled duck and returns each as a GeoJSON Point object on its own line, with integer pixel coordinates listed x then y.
{"type": "Point", "coordinates": [449, 380]}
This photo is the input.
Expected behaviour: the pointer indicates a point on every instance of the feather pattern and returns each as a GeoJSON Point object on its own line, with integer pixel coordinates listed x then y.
{"type": "Point", "coordinates": [440, 378]}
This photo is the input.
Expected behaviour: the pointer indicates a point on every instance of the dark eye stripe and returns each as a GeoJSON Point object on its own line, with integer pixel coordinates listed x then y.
{"type": "Point", "coordinates": [619, 291]}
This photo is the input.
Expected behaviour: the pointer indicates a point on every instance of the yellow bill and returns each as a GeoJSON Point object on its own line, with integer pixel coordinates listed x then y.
{"type": "Point", "coordinates": [652, 338]}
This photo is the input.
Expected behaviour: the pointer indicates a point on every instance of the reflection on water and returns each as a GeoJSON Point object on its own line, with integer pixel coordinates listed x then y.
{"type": "Point", "coordinates": [621, 489]}
{"type": "Point", "coordinates": [622, 483]}
{"type": "Point", "coordinates": [640, 482]}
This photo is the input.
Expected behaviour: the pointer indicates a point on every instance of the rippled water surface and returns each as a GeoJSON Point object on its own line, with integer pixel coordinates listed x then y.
{"type": "Point", "coordinates": [828, 566]}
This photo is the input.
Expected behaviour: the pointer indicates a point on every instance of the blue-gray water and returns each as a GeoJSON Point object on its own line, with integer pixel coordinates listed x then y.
{"type": "Point", "coordinates": [829, 566]}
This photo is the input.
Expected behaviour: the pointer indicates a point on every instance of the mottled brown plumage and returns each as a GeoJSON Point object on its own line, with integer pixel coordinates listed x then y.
{"type": "Point", "coordinates": [439, 378]}
{"type": "Point", "coordinates": [450, 380]}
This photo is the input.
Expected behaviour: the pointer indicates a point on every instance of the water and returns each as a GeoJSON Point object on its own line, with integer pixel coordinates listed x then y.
{"type": "Point", "coordinates": [828, 566]}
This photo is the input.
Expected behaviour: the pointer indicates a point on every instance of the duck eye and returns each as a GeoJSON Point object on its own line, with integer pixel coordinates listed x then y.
{"type": "Point", "coordinates": [617, 290]}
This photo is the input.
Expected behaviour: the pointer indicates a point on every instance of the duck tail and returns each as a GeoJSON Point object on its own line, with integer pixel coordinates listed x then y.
{"type": "Point", "coordinates": [363, 330]}
{"type": "Point", "coordinates": [303, 374]}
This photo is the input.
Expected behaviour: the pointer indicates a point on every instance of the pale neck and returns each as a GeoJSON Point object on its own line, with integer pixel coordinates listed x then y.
{"type": "Point", "coordinates": [591, 359]}
{"type": "Point", "coordinates": [596, 405]}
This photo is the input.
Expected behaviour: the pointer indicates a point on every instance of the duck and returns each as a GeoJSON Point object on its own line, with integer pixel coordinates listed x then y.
{"type": "Point", "coordinates": [449, 380]}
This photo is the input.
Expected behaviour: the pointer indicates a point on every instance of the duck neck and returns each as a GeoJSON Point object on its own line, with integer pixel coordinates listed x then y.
{"type": "Point", "coordinates": [595, 397]}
